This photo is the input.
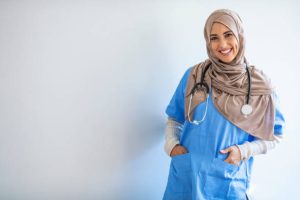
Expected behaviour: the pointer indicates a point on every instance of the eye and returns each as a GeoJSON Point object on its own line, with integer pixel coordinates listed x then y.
{"type": "Point", "coordinates": [228, 35]}
{"type": "Point", "coordinates": [213, 38]}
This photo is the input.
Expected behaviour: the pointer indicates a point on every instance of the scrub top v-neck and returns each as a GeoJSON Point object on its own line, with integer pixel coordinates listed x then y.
{"type": "Point", "coordinates": [202, 173]}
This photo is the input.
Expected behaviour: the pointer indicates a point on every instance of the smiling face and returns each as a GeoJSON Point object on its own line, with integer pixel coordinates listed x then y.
{"type": "Point", "coordinates": [223, 43]}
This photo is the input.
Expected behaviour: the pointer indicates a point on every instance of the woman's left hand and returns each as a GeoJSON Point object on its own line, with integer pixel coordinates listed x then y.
{"type": "Point", "coordinates": [234, 156]}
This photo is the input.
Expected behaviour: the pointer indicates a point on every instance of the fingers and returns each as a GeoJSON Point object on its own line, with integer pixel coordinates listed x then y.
{"type": "Point", "coordinates": [184, 151]}
{"type": "Point", "coordinates": [224, 151]}
{"type": "Point", "coordinates": [177, 150]}
{"type": "Point", "coordinates": [232, 160]}
{"type": "Point", "coordinates": [181, 150]}
{"type": "Point", "coordinates": [234, 155]}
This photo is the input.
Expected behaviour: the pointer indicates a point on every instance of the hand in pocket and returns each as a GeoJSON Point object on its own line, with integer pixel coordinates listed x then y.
{"type": "Point", "coordinates": [178, 150]}
{"type": "Point", "coordinates": [234, 156]}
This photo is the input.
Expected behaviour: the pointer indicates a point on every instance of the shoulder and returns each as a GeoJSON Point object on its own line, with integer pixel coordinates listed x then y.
{"type": "Point", "coordinates": [196, 69]}
{"type": "Point", "coordinates": [259, 76]}
{"type": "Point", "coordinates": [259, 73]}
{"type": "Point", "coordinates": [192, 70]}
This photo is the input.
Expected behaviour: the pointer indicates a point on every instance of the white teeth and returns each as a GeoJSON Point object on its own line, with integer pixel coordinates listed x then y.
{"type": "Point", "coordinates": [225, 51]}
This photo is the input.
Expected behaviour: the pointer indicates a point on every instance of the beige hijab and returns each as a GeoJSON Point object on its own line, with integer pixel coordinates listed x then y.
{"type": "Point", "coordinates": [229, 82]}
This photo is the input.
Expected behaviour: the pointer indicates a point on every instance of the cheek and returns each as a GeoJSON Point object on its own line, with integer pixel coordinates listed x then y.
{"type": "Point", "coordinates": [213, 47]}
{"type": "Point", "coordinates": [236, 48]}
{"type": "Point", "coordinates": [236, 45]}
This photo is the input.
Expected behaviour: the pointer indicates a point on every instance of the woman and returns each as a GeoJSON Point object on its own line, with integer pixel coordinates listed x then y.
{"type": "Point", "coordinates": [223, 113]}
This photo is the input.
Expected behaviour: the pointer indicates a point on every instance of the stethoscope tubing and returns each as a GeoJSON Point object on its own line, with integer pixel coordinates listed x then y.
{"type": "Point", "coordinates": [202, 85]}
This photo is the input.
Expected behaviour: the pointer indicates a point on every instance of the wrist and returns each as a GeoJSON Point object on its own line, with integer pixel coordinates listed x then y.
{"type": "Point", "coordinates": [240, 151]}
{"type": "Point", "coordinates": [244, 150]}
{"type": "Point", "coordinates": [171, 146]}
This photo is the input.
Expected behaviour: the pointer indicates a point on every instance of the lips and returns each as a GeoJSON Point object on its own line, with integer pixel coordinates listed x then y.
{"type": "Point", "coordinates": [225, 52]}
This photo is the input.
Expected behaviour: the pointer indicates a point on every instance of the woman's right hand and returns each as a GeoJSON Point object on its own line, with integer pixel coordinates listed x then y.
{"type": "Point", "coordinates": [178, 150]}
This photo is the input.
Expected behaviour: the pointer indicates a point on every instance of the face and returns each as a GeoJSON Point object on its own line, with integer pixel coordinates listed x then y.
{"type": "Point", "coordinates": [223, 43]}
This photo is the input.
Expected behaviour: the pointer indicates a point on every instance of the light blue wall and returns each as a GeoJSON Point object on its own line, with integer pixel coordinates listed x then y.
{"type": "Point", "coordinates": [84, 85]}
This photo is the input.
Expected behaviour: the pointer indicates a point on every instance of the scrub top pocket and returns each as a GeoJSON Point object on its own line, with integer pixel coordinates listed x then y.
{"type": "Point", "coordinates": [223, 181]}
{"type": "Point", "coordinates": [180, 177]}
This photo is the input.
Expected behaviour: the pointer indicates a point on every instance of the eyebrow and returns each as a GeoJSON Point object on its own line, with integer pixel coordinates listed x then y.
{"type": "Point", "coordinates": [227, 32]}
{"type": "Point", "coordinates": [223, 33]}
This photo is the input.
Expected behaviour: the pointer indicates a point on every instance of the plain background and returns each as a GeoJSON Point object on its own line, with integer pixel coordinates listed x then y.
{"type": "Point", "coordinates": [84, 86]}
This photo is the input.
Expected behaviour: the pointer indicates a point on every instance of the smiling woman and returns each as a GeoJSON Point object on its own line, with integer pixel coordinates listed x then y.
{"type": "Point", "coordinates": [223, 43]}
{"type": "Point", "coordinates": [212, 158]}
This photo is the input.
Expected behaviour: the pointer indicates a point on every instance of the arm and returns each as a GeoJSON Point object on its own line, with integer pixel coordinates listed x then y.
{"type": "Point", "coordinates": [172, 135]}
{"type": "Point", "coordinates": [246, 150]}
{"type": "Point", "coordinates": [237, 153]}
{"type": "Point", "coordinates": [175, 112]}
{"type": "Point", "coordinates": [257, 147]}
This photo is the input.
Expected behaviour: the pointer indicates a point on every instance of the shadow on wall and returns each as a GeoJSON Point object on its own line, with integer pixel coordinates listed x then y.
{"type": "Point", "coordinates": [143, 87]}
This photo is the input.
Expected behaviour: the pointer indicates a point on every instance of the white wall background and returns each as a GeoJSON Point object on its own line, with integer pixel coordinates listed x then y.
{"type": "Point", "coordinates": [84, 86]}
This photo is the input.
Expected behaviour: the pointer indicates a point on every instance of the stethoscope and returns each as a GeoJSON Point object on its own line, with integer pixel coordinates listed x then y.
{"type": "Point", "coordinates": [246, 109]}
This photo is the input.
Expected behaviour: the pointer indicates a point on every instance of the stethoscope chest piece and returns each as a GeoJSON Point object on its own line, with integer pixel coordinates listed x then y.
{"type": "Point", "coordinates": [246, 109]}
{"type": "Point", "coordinates": [203, 87]}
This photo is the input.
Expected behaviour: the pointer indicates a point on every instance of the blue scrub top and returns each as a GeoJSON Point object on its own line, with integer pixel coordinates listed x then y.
{"type": "Point", "coordinates": [202, 173]}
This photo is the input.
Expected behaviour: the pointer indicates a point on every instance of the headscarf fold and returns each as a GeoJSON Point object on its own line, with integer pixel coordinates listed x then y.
{"type": "Point", "coordinates": [229, 83]}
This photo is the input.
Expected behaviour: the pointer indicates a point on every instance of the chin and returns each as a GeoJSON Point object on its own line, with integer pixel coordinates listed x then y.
{"type": "Point", "coordinates": [227, 61]}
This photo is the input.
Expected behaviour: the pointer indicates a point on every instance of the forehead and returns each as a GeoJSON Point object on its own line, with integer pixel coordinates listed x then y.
{"type": "Point", "coordinates": [218, 28]}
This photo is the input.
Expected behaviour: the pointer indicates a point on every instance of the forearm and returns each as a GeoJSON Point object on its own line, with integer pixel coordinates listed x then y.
{"type": "Point", "coordinates": [172, 134]}
{"type": "Point", "coordinates": [257, 147]}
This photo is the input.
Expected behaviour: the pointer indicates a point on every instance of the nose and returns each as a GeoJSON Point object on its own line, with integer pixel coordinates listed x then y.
{"type": "Point", "coordinates": [222, 43]}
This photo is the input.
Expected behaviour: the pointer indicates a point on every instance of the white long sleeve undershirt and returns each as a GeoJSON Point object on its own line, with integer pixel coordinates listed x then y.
{"type": "Point", "coordinates": [248, 149]}
{"type": "Point", "coordinates": [172, 135]}
{"type": "Point", "coordinates": [258, 146]}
